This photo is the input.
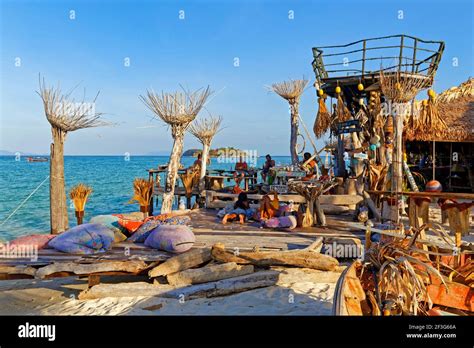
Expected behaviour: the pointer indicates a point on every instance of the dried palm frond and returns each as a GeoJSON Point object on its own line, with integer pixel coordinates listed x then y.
{"type": "Point", "coordinates": [190, 180]}
{"type": "Point", "coordinates": [342, 113]}
{"type": "Point", "coordinates": [323, 119]}
{"type": "Point", "coordinates": [205, 129]}
{"type": "Point", "coordinates": [290, 90]}
{"type": "Point", "coordinates": [64, 113]}
{"type": "Point", "coordinates": [142, 192]}
{"type": "Point", "coordinates": [79, 195]}
{"type": "Point", "coordinates": [178, 108]}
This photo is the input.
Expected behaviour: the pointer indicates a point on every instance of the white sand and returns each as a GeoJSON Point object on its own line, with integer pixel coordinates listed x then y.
{"type": "Point", "coordinates": [298, 292]}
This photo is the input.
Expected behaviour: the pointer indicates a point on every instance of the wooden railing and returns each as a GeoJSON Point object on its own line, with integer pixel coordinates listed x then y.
{"type": "Point", "coordinates": [402, 53]}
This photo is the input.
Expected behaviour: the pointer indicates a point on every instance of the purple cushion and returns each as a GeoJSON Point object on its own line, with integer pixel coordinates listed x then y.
{"type": "Point", "coordinates": [171, 238]}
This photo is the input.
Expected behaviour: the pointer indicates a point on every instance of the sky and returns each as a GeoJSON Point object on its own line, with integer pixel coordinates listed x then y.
{"type": "Point", "coordinates": [123, 48]}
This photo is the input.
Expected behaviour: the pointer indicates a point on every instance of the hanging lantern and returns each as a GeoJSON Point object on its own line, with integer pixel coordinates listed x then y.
{"type": "Point", "coordinates": [338, 89]}
{"type": "Point", "coordinates": [320, 92]}
{"type": "Point", "coordinates": [360, 87]}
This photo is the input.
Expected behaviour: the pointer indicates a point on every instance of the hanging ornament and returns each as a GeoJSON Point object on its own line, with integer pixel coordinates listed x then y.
{"type": "Point", "coordinates": [360, 87]}
{"type": "Point", "coordinates": [320, 92]}
{"type": "Point", "coordinates": [431, 93]}
{"type": "Point", "coordinates": [338, 90]}
{"type": "Point", "coordinates": [373, 147]}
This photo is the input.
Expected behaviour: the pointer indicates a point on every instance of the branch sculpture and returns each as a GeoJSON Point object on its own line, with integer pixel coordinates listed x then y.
{"type": "Point", "coordinates": [177, 110]}
{"type": "Point", "coordinates": [65, 115]}
{"type": "Point", "coordinates": [291, 91]}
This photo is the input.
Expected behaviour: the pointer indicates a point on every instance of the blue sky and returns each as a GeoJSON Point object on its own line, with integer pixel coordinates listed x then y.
{"type": "Point", "coordinates": [166, 51]}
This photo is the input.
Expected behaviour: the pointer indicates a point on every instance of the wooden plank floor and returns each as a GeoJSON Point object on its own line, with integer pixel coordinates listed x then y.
{"type": "Point", "coordinates": [208, 230]}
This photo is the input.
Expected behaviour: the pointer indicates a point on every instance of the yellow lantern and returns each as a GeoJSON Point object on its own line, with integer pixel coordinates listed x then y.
{"type": "Point", "coordinates": [338, 89]}
{"type": "Point", "coordinates": [320, 92]}
{"type": "Point", "coordinates": [431, 93]}
{"type": "Point", "coordinates": [360, 87]}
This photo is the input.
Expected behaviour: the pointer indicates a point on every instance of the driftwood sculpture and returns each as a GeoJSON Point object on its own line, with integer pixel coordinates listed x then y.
{"type": "Point", "coordinates": [311, 191]}
{"type": "Point", "coordinates": [205, 131]}
{"type": "Point", "coordinates": [177, 110]}
{"type": "Point", "coordinates": [399, 89]}
{"type": "Point", "coordinates": [65, 115]}
{"type": "Point", "coordinates": [291, 91]}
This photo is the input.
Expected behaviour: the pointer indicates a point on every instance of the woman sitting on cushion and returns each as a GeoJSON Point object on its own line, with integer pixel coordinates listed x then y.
{"type": "Point", "coordinates": [241, 210]}
{"type": "Point", "coordinates": [268, 207]}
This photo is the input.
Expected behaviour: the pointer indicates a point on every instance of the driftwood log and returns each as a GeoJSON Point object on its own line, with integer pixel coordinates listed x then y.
{"type": "Point", "coordinates": [226, 286]}
{"type": "Point", "coordinates": [124, 290]}
{"type": "Point", "coordinates": [298, 258]}
{"type": "Point", "coordinates": [134, 266]}
{"type": "Point", "coordinates": [192, 258]}
{"type": "Point", "coordinates": [208, 274]}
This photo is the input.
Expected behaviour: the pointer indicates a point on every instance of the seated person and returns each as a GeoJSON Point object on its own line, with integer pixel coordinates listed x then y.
{"type": "Point", "coordinates": [309, 167]}
{"type": "Point", "coordinates": [241, 210]}
{"type": "Point", "coordinates": [198, 161]}
{"type": "Point", "coordinates": [269, 163]}
{"type": "Point", "coordinates": [241, 168]}
{"type": "Point", "coordinates": [269, 208]}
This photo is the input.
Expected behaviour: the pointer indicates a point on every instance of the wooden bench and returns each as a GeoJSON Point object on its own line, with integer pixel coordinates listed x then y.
{"type": "Point", "coordinates": [214, 199]}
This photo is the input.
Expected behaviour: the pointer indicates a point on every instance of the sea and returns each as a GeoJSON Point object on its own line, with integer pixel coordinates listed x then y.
{"type": "Point", "coordinates": [24, 187]}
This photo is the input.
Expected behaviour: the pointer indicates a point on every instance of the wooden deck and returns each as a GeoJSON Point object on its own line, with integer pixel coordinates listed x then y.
{"type": "Point", "coordinates": [208, 230]}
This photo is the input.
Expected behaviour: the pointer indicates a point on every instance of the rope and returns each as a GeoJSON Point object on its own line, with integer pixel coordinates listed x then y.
{"type": "Point", "coordinates": [24, 201]}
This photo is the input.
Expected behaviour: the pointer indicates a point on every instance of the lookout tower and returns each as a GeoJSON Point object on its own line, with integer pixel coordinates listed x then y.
{"type": "Point", "coordinates": [360, 62]}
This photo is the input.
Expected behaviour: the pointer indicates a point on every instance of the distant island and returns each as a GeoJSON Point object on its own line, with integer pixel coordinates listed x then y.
{"type": "Point", "coordinates": [212, 152]}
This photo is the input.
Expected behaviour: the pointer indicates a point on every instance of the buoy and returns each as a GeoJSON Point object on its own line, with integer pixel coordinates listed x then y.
{"type": "Point", "coordinates": [320, 92]}
{"type": "Point", "coordinates": [360, 87]}
{"type": "Point", "coordinates": [433, 186]}
{"type": "Point", "coordinates": [338, 89]}
{"type": "Point", "coordinates": [425, 102]}
{"type": "Point", "coordinates": [431, 93]}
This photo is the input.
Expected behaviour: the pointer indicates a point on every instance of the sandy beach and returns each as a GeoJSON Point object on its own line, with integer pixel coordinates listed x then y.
{"type": "Point", "coordinates": [299, 291]}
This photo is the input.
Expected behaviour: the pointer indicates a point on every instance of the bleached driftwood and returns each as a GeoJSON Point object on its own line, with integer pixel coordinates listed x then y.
{"type": "Point", "coordinates": [178, 263]}
{"type": "Point", "coordinates": [124, 290]}
{"type": "Point", "coordinates": [134, 266]}
{"type": "Point", "coordinates": [299, 258]}
{"type": "Point", "coordinates": [27, 270]}
{"type": "Point", "coordinates": [226, 286]}
{"type": "Point", "coordinates": [208, 274]}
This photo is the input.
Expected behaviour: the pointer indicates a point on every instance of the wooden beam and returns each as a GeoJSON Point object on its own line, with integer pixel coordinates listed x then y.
{"type": "Point", "coordinates": [299, 258]}
{"type": "Point", "coordinates": [208, 274]}
{"type": "Point", "coordinates": [226, 286]}
{"type": "Point", "coordinates": [124, 290]}
{"type": "Point", "coordinates": [181, 262]}
{"type": "Point", "coordinates": [133, 266]}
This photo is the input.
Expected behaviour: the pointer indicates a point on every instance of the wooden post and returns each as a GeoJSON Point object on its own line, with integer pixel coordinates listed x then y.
{"type": "Point", "coordinates": [57, 189]}
{"type": "Point", "coordinates": [178, 135]}
{"type": "Point", "coordinates": [205, 156]}
{"type": "Point", "coordinates": [294, 131]}
{"type": "Point", "coordinates": [397, 168]}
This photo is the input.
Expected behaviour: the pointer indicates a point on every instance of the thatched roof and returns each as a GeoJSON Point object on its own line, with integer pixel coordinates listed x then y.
{"type": "Point", "coordinates": [456, 107]}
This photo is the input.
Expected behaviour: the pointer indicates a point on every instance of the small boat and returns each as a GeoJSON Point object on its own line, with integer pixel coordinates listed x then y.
{"type": "Point", "coordinates": [36, 159]}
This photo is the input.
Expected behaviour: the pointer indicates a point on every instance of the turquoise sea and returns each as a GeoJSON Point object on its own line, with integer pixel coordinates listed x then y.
{"type": "Point", "coordinates": [110, 177]}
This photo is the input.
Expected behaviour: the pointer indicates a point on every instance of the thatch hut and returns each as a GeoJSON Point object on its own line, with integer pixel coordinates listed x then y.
{"type": "Point", "coordinates": [454, 148]}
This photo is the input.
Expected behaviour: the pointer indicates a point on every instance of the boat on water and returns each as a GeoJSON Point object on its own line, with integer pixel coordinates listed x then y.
{"type": "Point", "coordinates": [36, 159]}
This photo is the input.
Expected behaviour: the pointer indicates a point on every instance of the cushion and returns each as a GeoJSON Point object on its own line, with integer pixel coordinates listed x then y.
{"type": "Point", "coordinates": [171, 238]}
{"type": "Point", "coordinates": [84, 239]}
{"type": "Point", "coordinates": [131, 225]}
{"type": "Point", "coordinates": [142, 233]}
{"type": "Point", "coordinates": [288, 222]}
{"type": "Point", "coordinates": [37, 240]}
{"type": "Point", "coordinates": [111, 222]}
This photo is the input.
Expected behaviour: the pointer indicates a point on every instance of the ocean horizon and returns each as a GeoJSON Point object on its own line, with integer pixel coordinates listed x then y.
{"type": "Point", "coordinates": [110, 177]}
